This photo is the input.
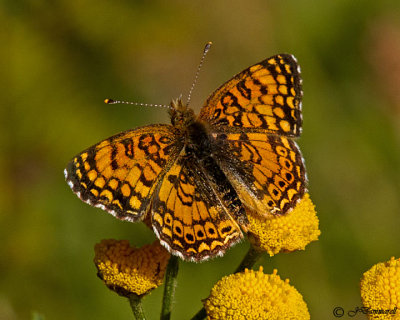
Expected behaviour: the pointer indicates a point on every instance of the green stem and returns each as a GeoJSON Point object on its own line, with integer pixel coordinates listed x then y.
{"type": "Point", "coordinates": [170, 285]}
{"type": "Point", "coordinates": [136, 305]}
{"type": "Point", "coordinates": [200, 315]}
{"type": "Point", "coordinates": [249, 259]}
{"type": "Point", "coordinates": [248, 262]}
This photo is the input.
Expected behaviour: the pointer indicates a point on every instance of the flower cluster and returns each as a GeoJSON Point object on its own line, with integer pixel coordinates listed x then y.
{"type": "Point", "coordinates": [255, 295]}
{"type": "Point", "coordinates": [125, 269]}
{"type": "Point", "coordinates": [287, 233]}
{"type": "Point", "coordinates": [380, 290]}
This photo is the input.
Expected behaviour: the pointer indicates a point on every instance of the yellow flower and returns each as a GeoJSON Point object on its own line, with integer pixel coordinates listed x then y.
{"type": "Point", "coordinates": [127, 270]}
{"type": "Point", "coordinates": [380, 290]}
{"type": "Point", "coordinates": [255, 295]}
{"type": "Point", "coordinates": [290, 232]}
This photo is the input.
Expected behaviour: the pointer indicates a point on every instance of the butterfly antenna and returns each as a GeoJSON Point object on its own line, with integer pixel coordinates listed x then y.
{"type": "Point", "coordinates": [111, 101]}
{"type": "Point", "coordinates": [206, 49]}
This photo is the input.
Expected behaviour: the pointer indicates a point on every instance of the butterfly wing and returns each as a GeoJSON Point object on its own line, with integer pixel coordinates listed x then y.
{"type": "Point", "coordinates": [188, 214]}
{"type": "Point", "coordinates": [265, 97]}
{"type": "Point", "coordinates": [267, 171]}
{"type": "Point", "coordinates": [254, 117]}
{"type": "Point", "coordinates": [120, 173]}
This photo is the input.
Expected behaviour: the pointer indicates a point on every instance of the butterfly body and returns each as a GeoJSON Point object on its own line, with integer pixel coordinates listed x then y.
{"type": "Point", "coordinates": [196, 178]}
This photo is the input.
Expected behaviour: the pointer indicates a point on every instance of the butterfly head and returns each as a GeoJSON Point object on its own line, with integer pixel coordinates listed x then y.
{"type": "Point", "coordinates": [180, 113]}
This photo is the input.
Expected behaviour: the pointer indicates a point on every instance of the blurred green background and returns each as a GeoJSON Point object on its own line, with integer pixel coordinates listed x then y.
{"type": "Point", "coordinates": [60, 59]}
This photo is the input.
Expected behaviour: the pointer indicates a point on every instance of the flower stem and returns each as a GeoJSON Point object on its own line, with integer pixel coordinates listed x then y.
{"type": "Point", "coordinates": [200, 315]}
{"type": "Point", "coordinates": [170, 285]}
{"type": "Point", "coordinates": [136, 305]}
{"type": "Point", "coordinates": [248, 262]}
{"type": "Point", "coordinates": [249, 259]}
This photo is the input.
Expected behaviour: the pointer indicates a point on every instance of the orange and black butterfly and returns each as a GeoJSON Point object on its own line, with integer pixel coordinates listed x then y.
{"type": "Point", "coordinates": [196, 178]}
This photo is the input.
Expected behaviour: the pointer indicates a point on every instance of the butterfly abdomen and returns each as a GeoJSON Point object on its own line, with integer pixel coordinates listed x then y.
{"type": "Point", "coordinates": [200, 146]}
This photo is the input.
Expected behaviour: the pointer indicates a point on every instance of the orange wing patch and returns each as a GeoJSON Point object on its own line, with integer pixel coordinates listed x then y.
{"type": "Point", "coordinates": [265, 96]}
{"type": "Point", "coordinates": [120, 173]}
{"type": "Point", "coordinates": [189, 217]}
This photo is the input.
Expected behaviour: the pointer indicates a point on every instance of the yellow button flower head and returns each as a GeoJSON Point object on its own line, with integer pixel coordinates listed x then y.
{"type": "Point", "coordinates": [255, 295]}
{"type": "Point", "coordinates": [125, 269]}
{"type": "Point", "coordinates": [290, 232]}
{"type": "Point", "coordinates": [380, 290]}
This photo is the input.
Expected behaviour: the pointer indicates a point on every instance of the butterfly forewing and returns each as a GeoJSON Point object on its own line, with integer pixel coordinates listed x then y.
{"type": "Point", "coordinates": [265, 97]}
{"type": "Point", "coordinates": [120, 173]}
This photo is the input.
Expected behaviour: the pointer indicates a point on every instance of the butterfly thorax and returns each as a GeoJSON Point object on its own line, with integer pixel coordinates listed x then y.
{"type": "Point", "coordinates": [193, 131]}
{"type": "Point", "coordinates": [198, 148]}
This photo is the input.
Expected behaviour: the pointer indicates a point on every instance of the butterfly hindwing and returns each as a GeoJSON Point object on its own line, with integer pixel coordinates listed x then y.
{"type": "Point", "coordinates": [265, 96]}
{"type": "Point", "coordinates": [267, 171]}
{"type": "Point", "coordinates": [120, 173]}
{"type": "Point", "coordinates": [188, 215]}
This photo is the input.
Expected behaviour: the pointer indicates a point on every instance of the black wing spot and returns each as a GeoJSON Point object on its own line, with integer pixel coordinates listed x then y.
{"type": "Point", "coordinates": [189, 237]}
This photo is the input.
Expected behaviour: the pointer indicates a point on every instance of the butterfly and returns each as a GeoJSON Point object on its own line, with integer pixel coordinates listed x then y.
{"type": "Point", "coordinates": [196, 178]}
